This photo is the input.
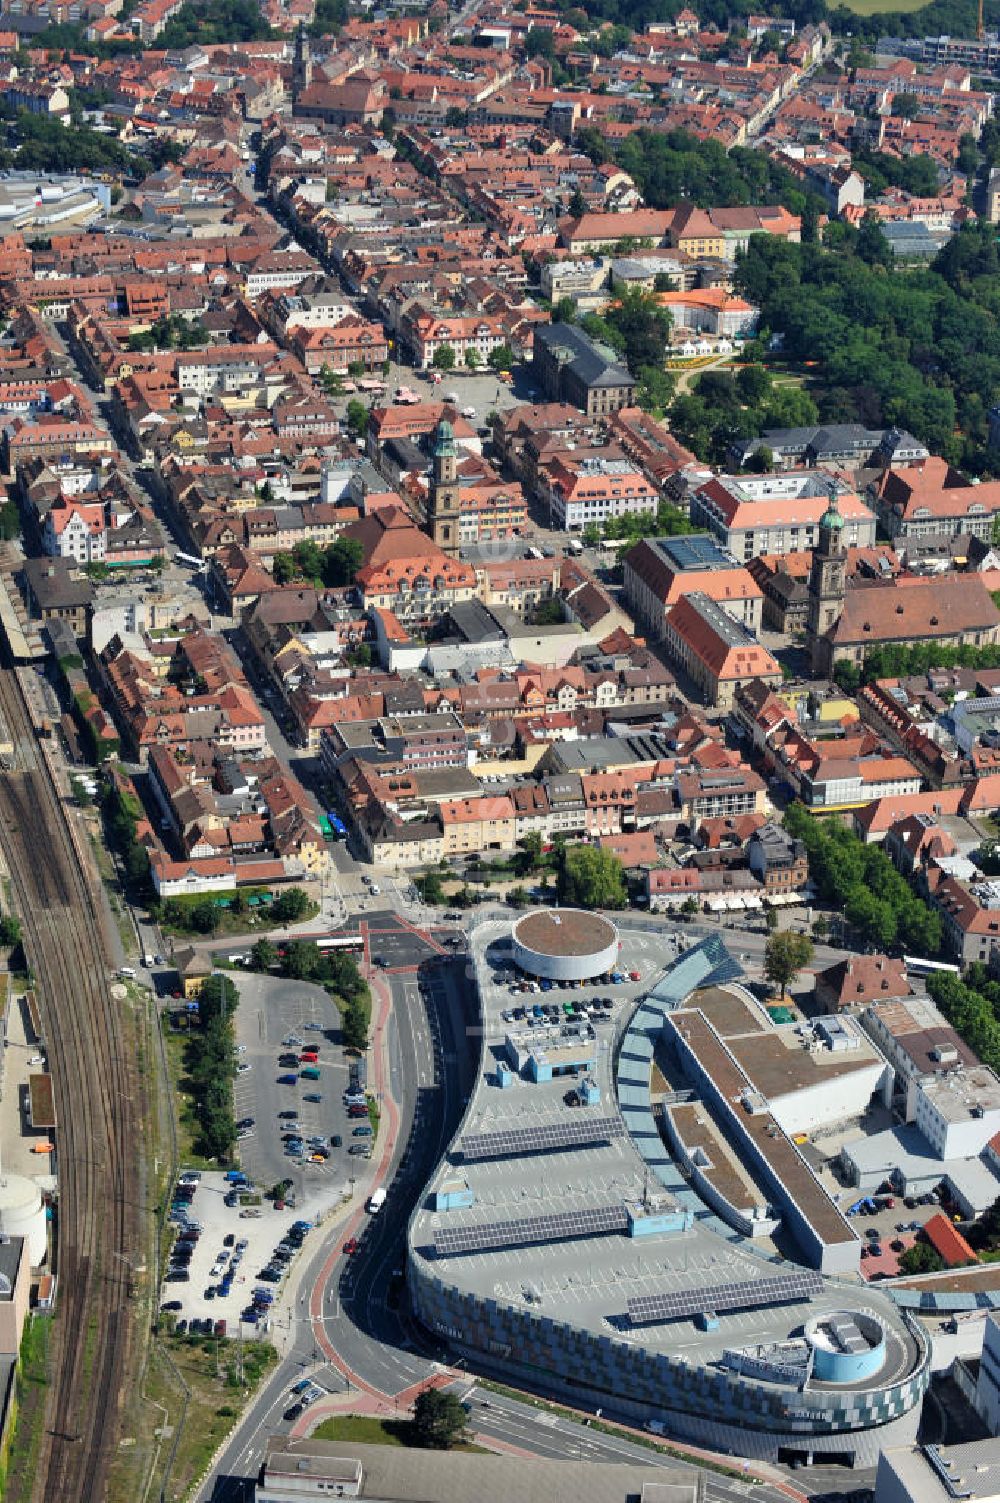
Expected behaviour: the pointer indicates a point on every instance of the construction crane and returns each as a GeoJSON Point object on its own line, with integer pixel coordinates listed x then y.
{"type": "Point", "coordinates": [980, 29]}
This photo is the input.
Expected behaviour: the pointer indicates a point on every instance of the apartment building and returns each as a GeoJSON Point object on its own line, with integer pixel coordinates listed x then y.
{"type": "Point", "coordinates": [777, 514]}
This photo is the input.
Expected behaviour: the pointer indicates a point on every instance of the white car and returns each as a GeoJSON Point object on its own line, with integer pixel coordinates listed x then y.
{"type": "Point", "coordinates": [243, 1069]}
{"type": "Point", "coordinates": [374, 889]}
{"type": "Point", "coordinates": [36, 1059]}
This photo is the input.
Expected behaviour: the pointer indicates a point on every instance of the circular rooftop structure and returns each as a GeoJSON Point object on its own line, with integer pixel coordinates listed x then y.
{"type": "Point", "coordinates": [565, 944]}
{"type": "Point", "coordinates": [848, 1346]}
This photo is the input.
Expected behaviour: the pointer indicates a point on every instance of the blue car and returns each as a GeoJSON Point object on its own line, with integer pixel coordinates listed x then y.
{"type": "Point", "coordinates": [287, 1079]}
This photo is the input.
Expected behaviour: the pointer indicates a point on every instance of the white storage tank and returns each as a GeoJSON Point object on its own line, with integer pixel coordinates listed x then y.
{"type": "Point", "coordinates": [23, 1215]}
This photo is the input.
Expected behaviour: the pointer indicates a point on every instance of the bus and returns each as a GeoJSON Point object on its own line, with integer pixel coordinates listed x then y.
{"type": "Point", "coordinates": [919, 967]}
{"type": "Point", "coordinates": [341, 942]}
{"type": "Point", "coordinates": [191, 559]}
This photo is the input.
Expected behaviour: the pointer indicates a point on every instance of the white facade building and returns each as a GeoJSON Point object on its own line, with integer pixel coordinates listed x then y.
{"type": "Point", "coordinates": [988, 1380]}
{"type": "Point", "coordinates": [958, 1110]}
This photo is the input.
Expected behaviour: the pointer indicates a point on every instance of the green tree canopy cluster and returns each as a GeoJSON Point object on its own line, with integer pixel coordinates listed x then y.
{"type": "Point", "coordinates": [972, 1007]}
{"type": "Point", "coordinates": [171, 333]}
{"type": "Point", "coordinates": [720, 408]}
{"type": "Point", "coordinates": [590, 877]}
{"type": "Point", "coordinates": [211, 1067]}
{"type": "Point", "coordinates": [339, 973]}
{"type": "Point", "coordinates": [918, 175]}
{"type": "Point", "coordinates": [921, 1258]}
{"type": "Point", "coordinates": [333, 566]}
{"type": "Point", "coordinates": [202, 22]}
{"type": "Point", "coordinates": [861, 882]}
{"type": "Point", "coordinates": [897, 660]}
{"type": "Point", "coordinates": [667, 521]}
{"type": "Point", "coordinates": [955, 18]}
{"type": "Point", "coordinates": [122, 814]}
{"type": "Point", "coordinates": [919, 349]}
{"type": "Point", "coordinates": [671, 166]}
{"type": "Point", "coordinates": [46, 145]}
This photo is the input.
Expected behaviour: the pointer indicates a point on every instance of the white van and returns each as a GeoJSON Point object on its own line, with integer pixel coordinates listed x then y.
{"type": "Point", "coordinates": [127, 971]}
{"type": "Point", "coordinates": [376, 1201]}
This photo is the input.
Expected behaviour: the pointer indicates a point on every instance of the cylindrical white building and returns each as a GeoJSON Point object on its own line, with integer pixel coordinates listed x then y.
{"type": "Point", "coordinates": [565, 944]}
{"type": "Point", "coordinates": [22, 1214]}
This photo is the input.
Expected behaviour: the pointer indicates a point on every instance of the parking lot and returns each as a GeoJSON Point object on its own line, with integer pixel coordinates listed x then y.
{"type": "Point", "coordinates": [642, 958]}
{"type": "Point", "coordinates": [271, 1011]}
{"type": "Point", "coordinates": [238, 1240]}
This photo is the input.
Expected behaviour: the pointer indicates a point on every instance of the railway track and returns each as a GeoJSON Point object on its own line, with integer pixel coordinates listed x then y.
{"type": "Point", "coordinates": [98, 1120]}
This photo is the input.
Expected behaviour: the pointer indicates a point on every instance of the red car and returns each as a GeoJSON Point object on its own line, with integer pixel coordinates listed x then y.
{"type": "Point", "coordinates": [350, 1246]}
{"type": "Point", "coordinates": [309, 1057]}
{"type": "Point", "coordinates": [634, 976]}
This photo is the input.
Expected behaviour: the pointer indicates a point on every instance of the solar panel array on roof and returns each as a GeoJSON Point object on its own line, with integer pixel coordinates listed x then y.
{"type": "Point", "coordinates": [546, 1137]}
{"type": "Point", "coordinates": [647, 1309]}
{"type": "Point", "coordinates": [527, 1231]}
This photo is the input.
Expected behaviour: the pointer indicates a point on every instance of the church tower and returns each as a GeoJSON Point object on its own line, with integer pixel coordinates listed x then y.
{"type": "Point", "coordinates": [443, 506]}
{"type": "Point", "coordinates": [827, 586]}
{"type": "Point", "coordinates": [302, 66]}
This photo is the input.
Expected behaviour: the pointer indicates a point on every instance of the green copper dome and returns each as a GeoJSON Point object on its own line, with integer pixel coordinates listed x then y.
{"type": "Point", "coordinates": [444, 439]}
{"type": "Point", "coordinates": [831, 518]}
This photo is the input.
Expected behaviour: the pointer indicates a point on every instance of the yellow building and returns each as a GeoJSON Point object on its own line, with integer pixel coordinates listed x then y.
{"type": "Point", "coordinates": [193, 970]}
{"type": "Point", "coordinates": [478, 824]}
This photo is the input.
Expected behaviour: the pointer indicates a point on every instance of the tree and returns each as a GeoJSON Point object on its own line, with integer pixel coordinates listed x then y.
{"type": "Point", "coordinates": [438, 1417]}
{"type": "Point", "coordinates": [906, 106]}
{"type": "Point", "coordinates": [301, 959]}
{"type": "Point", "coordinates": [357, 417]}
{"type": "Point", "coordinates": [204, 916]}
{"type": "Point", "coordinates": [10, 929]}
{"type": "Point", "coordinates": [761, 461]}
{"type": "Point", "coordinates": [283, 568]}
{"type": "Point", "coordinates": [473, 359]}
{"type": "Point", "coordinates": [290, 906]}
{"type": "Point", "coordinates": [10, 521]}
{"type": "Point", "coordinates": [591, 535]}
{"type": "Point", "coordinates": [785, 955]}
{"type": "Point", "coordinates": [590, 877]}
{"type": "Point", "coordinates": [264, 955]}
{"type": "Point", "coordinates": [354, 1026]}
{"type": "Point", "coordinates": [342, 561]}
{"type": "Point", "coordinates": [872, 246]}
{"type": "Point", "coordinates": [531, 845]}
{"type": "Point", "coordinates": [444, 358]}
{"type": "Point", "coordinates": [500, 359]}
{"type": "Point", "coordinates": [771, 919]}
{"type": "Point", "coordinates": [655, 389]}
{"type": "Point", "coordinates": [921, 1258]}
{"type": "Point", "coordinates": [430, 888]}
{"type": "Point", "coordinates": [548, 612]}
{"type": "Point", "coordinates": [577, 205]}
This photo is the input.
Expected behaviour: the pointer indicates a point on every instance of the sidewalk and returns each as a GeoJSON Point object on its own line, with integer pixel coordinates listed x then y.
{"type": "Point", "coordinates": [388, 1132]}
